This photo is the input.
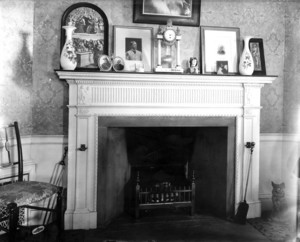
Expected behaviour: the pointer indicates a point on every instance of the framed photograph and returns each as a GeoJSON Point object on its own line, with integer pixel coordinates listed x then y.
{"type": "Point", "coordinates": [219, 44]}
{"type": "Point", "coordinates": [118, 64]}
{"type": "Point", "coordinates": [257, 49]}
{"type": "Point", "coordinates": [134, 46]}
{"type": "Point", "coordinates": [104, 63]}
{"type": "Point", "coordinates": [222, 67]}
{"type": "Point", "coordinates": [90, 37]}
{"type": "Point", "coordinates": [184, 13]}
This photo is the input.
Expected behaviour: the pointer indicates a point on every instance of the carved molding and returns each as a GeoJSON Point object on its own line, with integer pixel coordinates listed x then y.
{"type": "Point", "coordinates": [159, 79]}
{"type": "Point", "coordinates": [96, 141]}
{"type": "Point", "coordinates": [168, 115]}
{"type": "Point", "coordinates": [238, 160]}
{"type": "Point", "coordinates": [250, 112]}
{"type": "Point", "coordinates": [199, 95]}
{"type": "Point", "coordinates": [83, 111]}
{"type": "Point", "coordinates": [252, 94]}
{"type": "Point", "coordinates": [209, 95]}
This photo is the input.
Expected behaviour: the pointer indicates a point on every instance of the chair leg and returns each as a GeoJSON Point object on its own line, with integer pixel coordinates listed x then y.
{"type": "Point", "coordinates": [13, 211]}
{"type": "Point", "coordinates": [59, 213]}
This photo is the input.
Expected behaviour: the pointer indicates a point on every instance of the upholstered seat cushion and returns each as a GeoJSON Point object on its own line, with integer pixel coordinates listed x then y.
{"type": "Point", "coordinates": [27, 192]}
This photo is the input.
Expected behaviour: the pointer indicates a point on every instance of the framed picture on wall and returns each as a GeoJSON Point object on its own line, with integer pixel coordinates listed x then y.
{"type": "Point", "coordinates": [90, 37]}
{"type": "Point", "coordinates": [134, 46]}
{"type": "Point", "coordinates": [257, 49]}
{"type": "Point", "coordinates": [219, 44]}
{"type": "Point", "coordinates": [184, 13]}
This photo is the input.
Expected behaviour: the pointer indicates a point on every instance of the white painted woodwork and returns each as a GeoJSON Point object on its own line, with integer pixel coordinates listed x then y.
{"type": "Point", "coordinates": [96, 94]}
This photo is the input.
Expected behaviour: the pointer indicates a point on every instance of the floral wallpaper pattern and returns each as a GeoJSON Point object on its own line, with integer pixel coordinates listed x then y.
{"type": "Point", "coordinates": [16, 82]}
{"type": "Point", "coordinates": [32, 93]}
{"type": "Point", "coordinates": [291, 96]}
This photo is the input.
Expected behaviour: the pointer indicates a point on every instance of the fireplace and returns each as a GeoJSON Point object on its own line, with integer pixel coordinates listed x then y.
{"type": "Point", "coordinates": [101, 102]}
{"type": "Point", "coordinates": [157, 147]}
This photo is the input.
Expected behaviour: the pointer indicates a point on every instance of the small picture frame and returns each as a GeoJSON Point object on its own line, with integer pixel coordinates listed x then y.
{"type": "Point", "coordinates": [219, 44]}
{"type": "Point", "coordinates": [118, 64]}
{"type": "Point", "coordinates": [193, 66]}
{"type": "Point", "coordinates": [257, 49]}
{"type": "Point", "coordinates": [134, 46]}
{"type": "Point", "coordinates": [182, 13]}
{"type": "Point", "coordinates": [222, 67]}
{"type": "Point", "coordinates": [104, 63]}
{"type": "Point", "coordinates": [90, 38]}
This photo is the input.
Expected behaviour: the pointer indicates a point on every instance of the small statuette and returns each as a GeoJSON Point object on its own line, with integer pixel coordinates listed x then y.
{"type": "Point", "coordinates": [160, 30]}
{"type": "Point", "coordinates": [193, 66]}
{"type": "Point", "coordinates": [178, 31]}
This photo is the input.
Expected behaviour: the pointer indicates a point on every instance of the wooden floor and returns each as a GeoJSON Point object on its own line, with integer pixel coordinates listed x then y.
{"type": "Point", "coordinates": [156, 226]}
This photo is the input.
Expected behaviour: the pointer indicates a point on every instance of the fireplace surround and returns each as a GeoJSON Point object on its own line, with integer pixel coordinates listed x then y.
{"type": "Point", "coordinates": [102, 99]}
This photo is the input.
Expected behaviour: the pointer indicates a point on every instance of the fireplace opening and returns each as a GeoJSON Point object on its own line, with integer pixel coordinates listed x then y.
{"type": "Point", "coordinates": [165, 153]}
{"type": "Point", "coordinates": [160, 153]}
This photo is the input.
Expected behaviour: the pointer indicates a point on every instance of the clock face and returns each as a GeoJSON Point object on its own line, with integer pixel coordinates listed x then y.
{"type": "Point", "coordinates": [169, 35]}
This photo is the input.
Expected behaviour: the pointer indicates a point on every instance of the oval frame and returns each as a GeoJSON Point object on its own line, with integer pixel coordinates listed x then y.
{"type": "Point", "coordinates": [109, 61]}
{"type": "Point", "coordinates": [88, 56]}
{"type": "Point", "coordinates": [118, 59]}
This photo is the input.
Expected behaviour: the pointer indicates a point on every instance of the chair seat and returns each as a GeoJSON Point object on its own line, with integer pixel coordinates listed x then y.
{"type": "Point", "coordinates": [25, 193]}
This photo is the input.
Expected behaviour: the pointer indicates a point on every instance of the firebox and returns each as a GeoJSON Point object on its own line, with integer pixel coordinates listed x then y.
{"type": "Point", "coordinates": [161, 149]}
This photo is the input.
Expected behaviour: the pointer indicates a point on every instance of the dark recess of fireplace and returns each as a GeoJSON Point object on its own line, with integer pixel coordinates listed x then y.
{"type": "Point", "coordinates": [162, 151]}
{"type": "Point", "coordinates": [165, 148]}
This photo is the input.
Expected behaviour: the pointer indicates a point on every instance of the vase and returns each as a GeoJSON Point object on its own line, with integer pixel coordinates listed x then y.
{"type": "Point", "coordinates": [246, 66]}
{"type": "Point", "coordinates": [68, 58]}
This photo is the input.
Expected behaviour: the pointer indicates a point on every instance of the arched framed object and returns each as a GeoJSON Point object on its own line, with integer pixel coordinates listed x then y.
{"type": "Point", "coordinates": [90, 37]}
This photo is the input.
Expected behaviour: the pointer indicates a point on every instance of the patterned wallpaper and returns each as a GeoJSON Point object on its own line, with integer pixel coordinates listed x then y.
{"type": "Point", "coordinates": [291, 95]}
{"type": "Point", "coordinates": [32, 93]}
{"type": "Point", "coordinates": [261, 19]}
{"type": "Point", "coordinates": [16, 82]}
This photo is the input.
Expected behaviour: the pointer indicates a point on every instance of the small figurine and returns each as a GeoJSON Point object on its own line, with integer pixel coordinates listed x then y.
{"type": "Point", "coordinates": [178, 31]}
{"type": "Point", "coordinates": [169, 23]}
{"type": "Point", "coordinates": [160, 30]}
{"type": "Point", "coordinates": [193, 66]}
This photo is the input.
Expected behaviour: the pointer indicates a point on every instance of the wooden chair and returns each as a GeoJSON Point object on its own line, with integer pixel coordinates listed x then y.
{"type": "Point", "coordinates": [23, 194]}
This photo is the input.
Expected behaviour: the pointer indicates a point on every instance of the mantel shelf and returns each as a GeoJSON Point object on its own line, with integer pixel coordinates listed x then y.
{"type": "Point", "coordinates": [162, 77]}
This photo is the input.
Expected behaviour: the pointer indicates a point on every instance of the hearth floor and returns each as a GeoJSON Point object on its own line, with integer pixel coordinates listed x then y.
{"type": "Point", "coordinates": [156, 227]}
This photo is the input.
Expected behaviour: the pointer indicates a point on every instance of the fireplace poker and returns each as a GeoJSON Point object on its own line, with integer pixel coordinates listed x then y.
{"type": "Point", "coordinates": [243, 207]}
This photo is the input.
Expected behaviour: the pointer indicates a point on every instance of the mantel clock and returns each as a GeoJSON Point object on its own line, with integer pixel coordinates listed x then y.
{"type": "Point", "coordinates": [168, 37]}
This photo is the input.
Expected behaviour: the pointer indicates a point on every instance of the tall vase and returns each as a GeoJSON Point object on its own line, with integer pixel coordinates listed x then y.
{"type": "Point", "coordinates": [68, 58]}
{"type": "Point", "coordinates": [246, 66]}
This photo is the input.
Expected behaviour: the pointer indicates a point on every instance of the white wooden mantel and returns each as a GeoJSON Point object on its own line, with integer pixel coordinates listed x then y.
{"type": "Point", "coordinates": [95, 94]}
